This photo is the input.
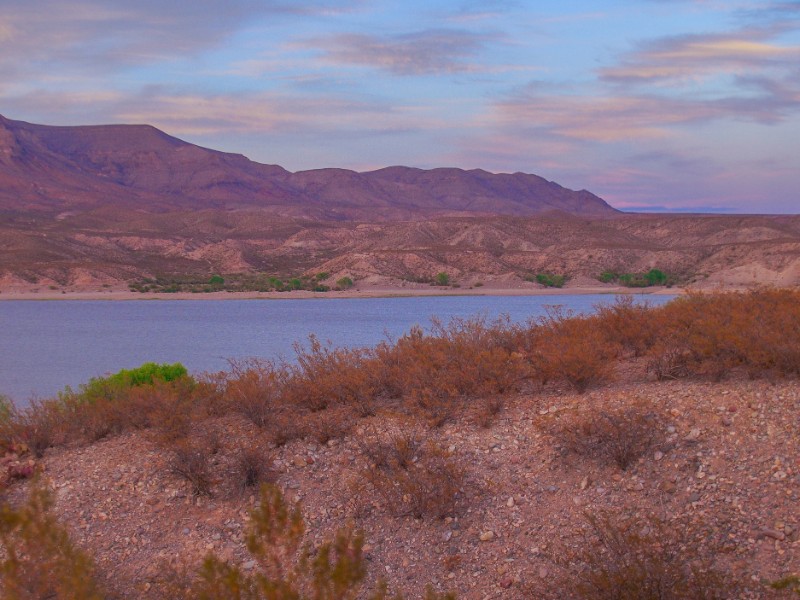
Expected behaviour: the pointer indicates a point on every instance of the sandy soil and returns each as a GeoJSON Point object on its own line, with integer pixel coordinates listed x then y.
{"type": "Point", "coordinates": [360, 292]}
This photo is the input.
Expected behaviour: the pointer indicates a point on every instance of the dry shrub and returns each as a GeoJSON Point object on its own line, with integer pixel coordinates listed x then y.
{"type": "Point", "coordinates": [436, 374]}
{"type": "Point", "coordinates": [329, 424]}
{"type": "Point", "coordinates": [573, 349]}
{"type": "Point", "coordinates": [631, 325]}
{"type": "Point", "coordinates": [252, 467]}
{"type": "Point", "coordinates": [38, 427]}
{"type": "Point", "coordinates": [627, 558]}
{"type": "Point", "coordinates": [253, 389]}
{"type": "Point", "coordinates": [325, 376]}
{"type": "Point", "coordinates": [715, 334]}
{"type": "Point", "coordinates": [412, 474]}
{"type": "Point", "coordinates": [190, 459]}
{"type": "Point", "coordinates": [620, 436]}
{"type": "Point", "coordinates": [486, 410]}
{"type": "Point", "coordinates": [38, 558]}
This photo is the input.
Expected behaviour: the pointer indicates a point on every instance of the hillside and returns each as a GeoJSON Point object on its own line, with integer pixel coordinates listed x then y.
{"type": "Point", "coordinates": [567, 458]}
{"type": "Point", "coordinates": [114, 247]}
{"type": "Point", "coordinates": [137, 167]}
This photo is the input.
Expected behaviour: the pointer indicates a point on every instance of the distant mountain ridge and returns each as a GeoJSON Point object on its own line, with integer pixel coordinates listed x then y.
{"type": "Point", "coordinates": [60, 169]}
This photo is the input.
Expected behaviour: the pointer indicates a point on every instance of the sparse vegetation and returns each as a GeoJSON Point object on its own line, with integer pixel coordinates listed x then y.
{"type": "Point", "coordinates": [627, 558]}
{"type": "Point", "coordinates": [344, 283]}
{"type": "Point", "coordinates": [636, 280]}
{"type": "Point", "coordinates": [232, 282]}
{"type": "Point", "coordinates": [38, 558]}
{"type": "Point", "coordinates": [548, 279]}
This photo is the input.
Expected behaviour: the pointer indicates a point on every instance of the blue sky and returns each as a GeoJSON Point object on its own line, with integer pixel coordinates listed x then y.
{"type": "Point", "coordinates": [651, 104]}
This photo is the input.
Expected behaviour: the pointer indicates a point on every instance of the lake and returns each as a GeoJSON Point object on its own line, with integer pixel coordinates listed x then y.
{"type": "Point", "coordinates": [47, 345]}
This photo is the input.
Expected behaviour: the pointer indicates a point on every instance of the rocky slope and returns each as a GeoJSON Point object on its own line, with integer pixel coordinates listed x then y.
{"type": "Point", "coordinates": [112, 246]}
{"type": "Point", "coordinates": [724, 470]}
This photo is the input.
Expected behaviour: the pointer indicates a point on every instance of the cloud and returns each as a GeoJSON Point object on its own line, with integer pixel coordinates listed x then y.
{"type": "Point", "coordinates": [690, 57]}
{"type": "Point", "coordinates": [427, 52]}
{"type": "Point", "coordinates": [264, 113]}
{"type": "Point", "coordinates": [102, 35]}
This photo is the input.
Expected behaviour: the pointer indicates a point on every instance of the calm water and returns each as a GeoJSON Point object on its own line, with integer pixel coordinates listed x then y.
{"type": "Point", "coordinates": [45, 346]}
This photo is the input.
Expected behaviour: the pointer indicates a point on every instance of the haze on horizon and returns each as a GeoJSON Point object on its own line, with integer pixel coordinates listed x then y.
{"type": "Point", "coordinates": [685, 105]}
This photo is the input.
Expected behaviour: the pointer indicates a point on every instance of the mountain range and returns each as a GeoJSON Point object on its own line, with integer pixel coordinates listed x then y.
{"type": "Point", "coordinates": [47, 168]}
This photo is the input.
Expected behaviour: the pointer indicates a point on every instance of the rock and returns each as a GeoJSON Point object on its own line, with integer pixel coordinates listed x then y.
{"type": "Point", "coordinates": [727, 421]}
{"type": "Point", "coordinates": [543, 572]}
{"type": "Point", "coordinates": [506, 582]}
{"type": "Point", "coordinates": [770, 533]}
{"type": "Point", "coordinates": [585, 482]}
{"type": "Point", "coordinates": [693, 435]}
{"type": "Point", "coordinates": [299, 461]}
{"type": "Point", "coordinates": [668, 487]}
{"type": "Point", "coordinates": [249, 565]}
{"type": "Point", "coordinates": [658, 455]}
{"type": "Point", "coordinates": [510, 502]}
{"type": "Point", "coordinates": [487, 536]}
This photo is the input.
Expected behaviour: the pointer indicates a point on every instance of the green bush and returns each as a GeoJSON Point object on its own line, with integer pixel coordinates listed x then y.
{"type": "Point", "coordinates": [146, 374]}
{"type": "Point", "coordinates": [344, 283]}
{"type": "Point", "coordinates": [442, 279]}
{"type": "Point", "coordinates": [551, 280]}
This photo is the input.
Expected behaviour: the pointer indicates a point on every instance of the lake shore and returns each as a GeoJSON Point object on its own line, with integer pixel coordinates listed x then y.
{"type": "Point", "coordinates": [358, 292]}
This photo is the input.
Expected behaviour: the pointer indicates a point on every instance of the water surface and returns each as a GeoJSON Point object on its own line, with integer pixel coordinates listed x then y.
{"type": "Point", "coordinates": [47, 345]}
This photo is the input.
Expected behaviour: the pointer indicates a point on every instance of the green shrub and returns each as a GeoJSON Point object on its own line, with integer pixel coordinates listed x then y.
{"type": "Point", "coordinates": [217, 280]}
{"type": "Point", "coordinates": [127, 378]}
{"type": "Point", "coordinates": [551, 280]}
{"type": "Point", "coordinates": [442, 279]}
{"type": "Point", "coordinates": [344, 283]}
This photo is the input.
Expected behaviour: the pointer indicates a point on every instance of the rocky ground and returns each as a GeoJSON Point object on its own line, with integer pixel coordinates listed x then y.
{"type": "Point", "coordinates": [724, 468]}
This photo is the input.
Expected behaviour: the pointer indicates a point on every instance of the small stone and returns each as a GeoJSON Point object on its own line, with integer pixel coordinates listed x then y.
{"type": "Point", "coordinates": [510, 502]}
{"type": "Point", "coordinates": [727, 421]}
{"type": "Point", "coordinates": [700, 475]}
{"type": "Point", "coordinates": [658, 455]}
{"type": "Point", "coordinates": [668, 487]}
{"type": "Point", "coordinates": [299, 461]}
{"type": "Point", "coordinates": [585, 482]}
{"type": "Point", "coordinates": [185, 531]}
{"type": "Point", "coordinates": [770, 533]}
{"type": "Point", "coordinates": [451, 575]}
{"type": "Point", "coordinates": [249, 565]}
{"type": "Point", "coordinates": [543, 572]}
{"type": "Point", "coordinates": [506, 583]}
{"type": "Point", "coordinates": [779, 475]}
{"type": "Point", "coordinates": [693, 435]}
{"type": "Point", "coordinates": [487, 536]}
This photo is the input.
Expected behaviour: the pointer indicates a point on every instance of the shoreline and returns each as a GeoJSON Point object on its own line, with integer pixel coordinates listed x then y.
{"type": "Point", "coordinates": [364, 292]}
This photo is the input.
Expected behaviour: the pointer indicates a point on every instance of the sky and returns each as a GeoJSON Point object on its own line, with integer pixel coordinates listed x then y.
{"type": "Point", "coordinates": [679, 105]}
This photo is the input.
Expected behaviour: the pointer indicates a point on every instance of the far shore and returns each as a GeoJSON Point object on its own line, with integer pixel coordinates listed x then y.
{"type": "Point", "coordinates": [358, 292]}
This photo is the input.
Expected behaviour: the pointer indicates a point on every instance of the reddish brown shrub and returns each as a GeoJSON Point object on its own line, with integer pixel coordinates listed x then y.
{"type": "Point", "coordinates": [572, 349]}
{"type": "Point", "coordinates": [412, 475]}
{"type": "Point", "coordinates": [628, 558]}
{"type": "Point", "coordinates": [620, 435]}
{"type": "Point", "coordinates": [190, 459]}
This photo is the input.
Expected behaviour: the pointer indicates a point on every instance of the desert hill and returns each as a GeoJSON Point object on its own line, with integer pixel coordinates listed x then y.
{"type": "Point", "coordinates": [110, 205]}
{"type": "Point", "coordinates": [111, 247]}
{"type": "Point", "coordinates": [46, 168]}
